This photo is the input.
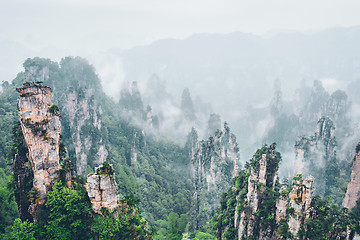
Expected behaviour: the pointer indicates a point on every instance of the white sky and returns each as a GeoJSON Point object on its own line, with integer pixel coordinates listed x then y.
{"type": "Point", "coordinates": [93, 24]}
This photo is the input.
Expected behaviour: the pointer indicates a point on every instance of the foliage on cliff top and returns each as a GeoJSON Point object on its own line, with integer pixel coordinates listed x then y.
{"type": "Point", "coordinates": [273, 159]}
{"type": "Point", "coordinates": [37, 61]}
{"type": "Point", "coordinates": [105, 169]}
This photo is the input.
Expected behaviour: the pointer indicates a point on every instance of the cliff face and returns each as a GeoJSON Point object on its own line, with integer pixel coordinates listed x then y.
{"type": "Point", "coordinates": [214, 162]}
{"type": "Point", "coordinates": [300, 202]}
{"type": "Point", "coordinates": [84, 117]}
{"type": "Point", "coordinates": [40, 124]}
{"type": "Point", "coordinates": [353, 189]}
{"type": "Point", "coordinates": [102, 189]}
{"type": "Point", "coordinates": [76, 92]}
{"type": "Point", "coordinates": [256, 181]}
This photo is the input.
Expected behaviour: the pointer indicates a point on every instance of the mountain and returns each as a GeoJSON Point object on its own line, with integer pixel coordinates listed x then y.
{"type": "Point", "coordinates": [236, 71]}
{"type": "Point", "coordinates": [111, 160]}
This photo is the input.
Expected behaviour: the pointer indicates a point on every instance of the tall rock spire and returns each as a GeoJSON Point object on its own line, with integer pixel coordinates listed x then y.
{"type": "Point", "coordinates": [41, 126]}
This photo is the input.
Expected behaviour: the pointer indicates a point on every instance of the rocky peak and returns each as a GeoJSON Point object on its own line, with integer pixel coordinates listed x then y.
{"type": "Point", "coordinates": [256, 181]}
{"type": "Point", "coordinates": [214, 163]}
{"type": "Point", "coordinates": [262, 179]}
{"type": "Point", "coordinates": [102, 189]}
{"type": "Point", "coordinates": [317, 153]}
{"type": "Point", "coordinates": [41, 126]}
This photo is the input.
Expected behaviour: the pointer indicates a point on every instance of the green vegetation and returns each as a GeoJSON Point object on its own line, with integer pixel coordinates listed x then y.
{"type": "Point", "coordinates": [106, 169]}
{"type": "Point", "coordinates": [159, 176]}
{"type": "Point", "coordinates": [55, 110]}
{"type": "Point", "coordinates": [327, 221]}
{"type": "Point", "coordinates": [67, 214]}
{"type": "Point", "coordinates": [108, 227]}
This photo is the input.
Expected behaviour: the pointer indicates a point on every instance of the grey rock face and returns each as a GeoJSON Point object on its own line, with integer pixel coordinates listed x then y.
{"type": "Point", "coordinates": [102, 190]}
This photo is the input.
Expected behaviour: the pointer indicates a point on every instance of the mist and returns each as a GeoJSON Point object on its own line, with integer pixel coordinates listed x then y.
{"type": "Point", "coordinates": [228, 54]}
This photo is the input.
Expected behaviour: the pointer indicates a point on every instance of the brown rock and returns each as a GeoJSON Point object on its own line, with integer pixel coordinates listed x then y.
{"type": "Point", "coordinates": [353, 189]}
{"type": "Point", "coordinates": [41, 129]}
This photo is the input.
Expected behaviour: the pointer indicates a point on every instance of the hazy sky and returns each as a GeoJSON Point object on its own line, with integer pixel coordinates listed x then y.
{"type": "Point", "coordinates": [96, 25]}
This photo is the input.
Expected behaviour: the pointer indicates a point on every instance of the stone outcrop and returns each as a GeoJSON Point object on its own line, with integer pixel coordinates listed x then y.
{"type": "Point", "coordinates": [353, 189]}
{"type": "Point", "coordinates": [40, 124]}
{"type": "Point", "coordinates": [300, 202]}
{"type": "Point", "coordinates": [102, 189]}
{"type": "Point", "coordinates": [214, 163]}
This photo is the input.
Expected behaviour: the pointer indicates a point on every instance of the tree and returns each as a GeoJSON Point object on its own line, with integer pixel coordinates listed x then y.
{"type": "Point", "coordinates": [21, 231]}
{"type": "Point", "coordinates": [68, 214]}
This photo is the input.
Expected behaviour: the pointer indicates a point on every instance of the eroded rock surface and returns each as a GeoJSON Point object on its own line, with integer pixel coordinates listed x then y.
{"type": "Point", "coordinates": [102, 189]}
{"type": "Point", "coordinates": [40, 124]}
{"type": "Point", "coordinates": [76, 91]}
{"type": "Point", "coordinates": [300, 202]}
{"type": "Point", "coordinates": [353, 189]}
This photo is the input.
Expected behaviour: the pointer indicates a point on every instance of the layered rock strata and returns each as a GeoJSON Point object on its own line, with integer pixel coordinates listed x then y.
{"type": "Point", "coordinates": [40, 124]}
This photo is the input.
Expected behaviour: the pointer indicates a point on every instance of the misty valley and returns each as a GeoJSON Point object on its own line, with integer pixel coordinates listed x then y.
{"type": "Point", "coordinates": [227, 144]}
